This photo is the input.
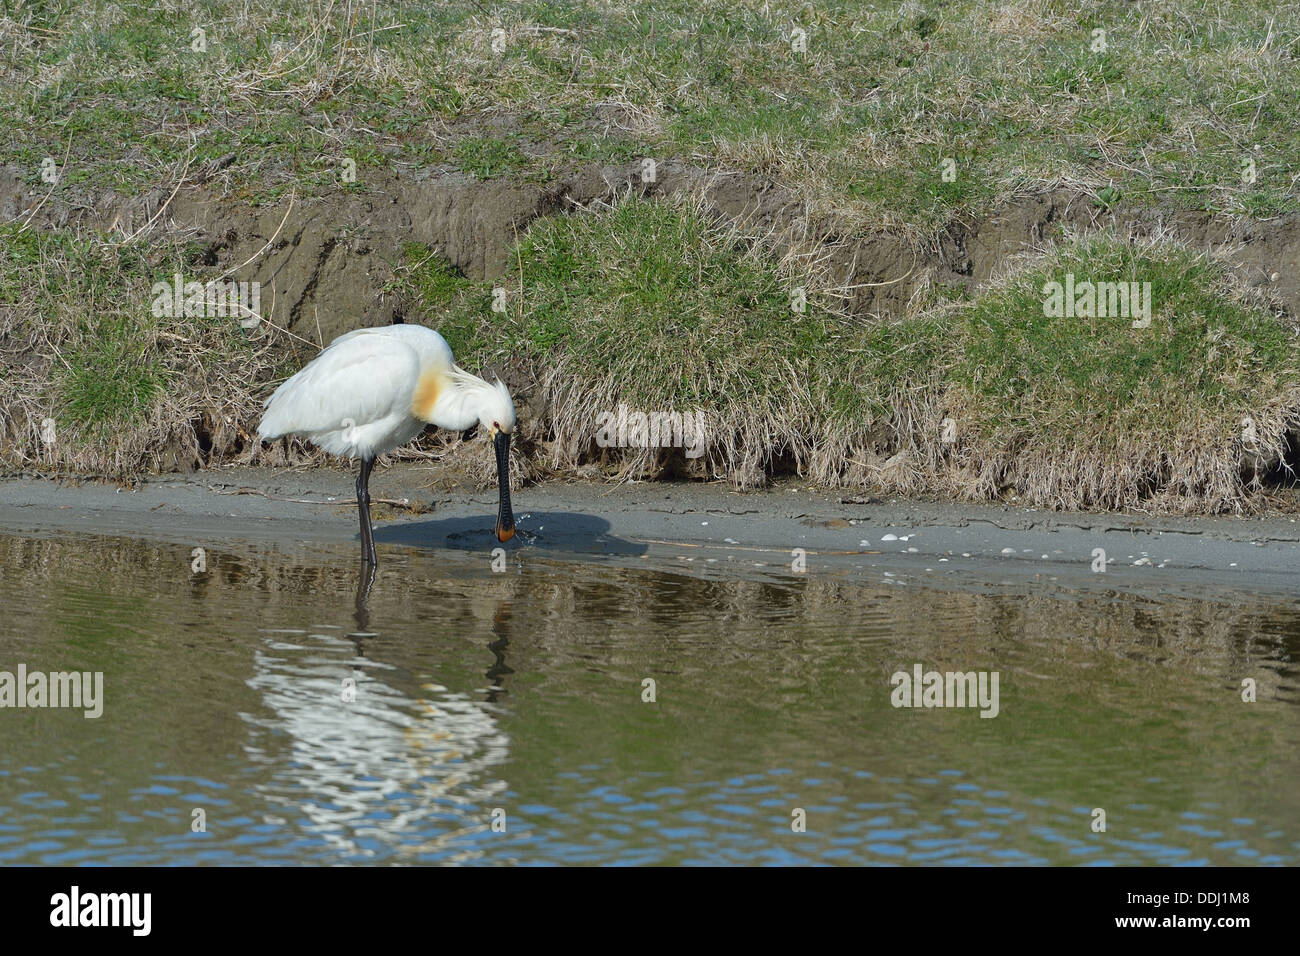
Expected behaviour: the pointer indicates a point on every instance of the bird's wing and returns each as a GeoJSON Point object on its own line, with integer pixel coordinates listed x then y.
{"type": "Point", "coordinates": [431, 346]}
{"type": "Point", "coordinates": [358, 379]}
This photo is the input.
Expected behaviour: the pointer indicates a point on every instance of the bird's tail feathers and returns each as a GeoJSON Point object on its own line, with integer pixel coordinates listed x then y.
{"type": "Point", "coordinates": [273, 424]}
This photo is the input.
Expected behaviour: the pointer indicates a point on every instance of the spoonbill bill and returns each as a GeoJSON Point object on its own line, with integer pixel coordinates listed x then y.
{"type": "Point", "coordinates": [374, 390]}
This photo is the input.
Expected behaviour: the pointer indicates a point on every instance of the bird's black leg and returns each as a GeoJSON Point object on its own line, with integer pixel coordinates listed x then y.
{"type": "Point", "coordinates": [363, 506]}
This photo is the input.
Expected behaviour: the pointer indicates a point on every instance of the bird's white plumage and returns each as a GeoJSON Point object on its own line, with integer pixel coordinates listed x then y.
{"type": "Point", "coordinates": [354, 398]}
{"type": "Point", "coordinates": [470, 400]}
{"type": "Point", "coordinates": [373, 390]}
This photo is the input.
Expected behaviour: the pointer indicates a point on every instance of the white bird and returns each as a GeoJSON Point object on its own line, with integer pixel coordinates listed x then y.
{"type": "Point", "coordinates": [373, 390]}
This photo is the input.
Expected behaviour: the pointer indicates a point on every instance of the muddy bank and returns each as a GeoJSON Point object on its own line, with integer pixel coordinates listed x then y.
{"type": "Point", "coordinates": [697, 527]}
{"type": "Point", "coordinates": [326, 264]}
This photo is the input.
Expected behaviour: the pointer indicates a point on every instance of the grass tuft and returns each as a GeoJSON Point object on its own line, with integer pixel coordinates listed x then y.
{"type": "Point", "coordinates": [653, 306]}
{"type": "Point", "coordinates": [1188, 103]}
{"type": "Point", "coordinates": [91, 381]}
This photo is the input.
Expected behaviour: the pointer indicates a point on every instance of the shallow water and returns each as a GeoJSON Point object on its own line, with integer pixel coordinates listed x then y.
{"type": "Point", "coordinates": [522, 692]}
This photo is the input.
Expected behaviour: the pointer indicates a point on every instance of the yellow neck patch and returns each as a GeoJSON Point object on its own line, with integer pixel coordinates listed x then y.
{"type": "Point", "coordinates": [426, 395]}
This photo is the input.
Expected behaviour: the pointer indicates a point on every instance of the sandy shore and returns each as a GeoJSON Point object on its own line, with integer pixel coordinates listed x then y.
{"type": "Point", "coordinates": [704, 525]}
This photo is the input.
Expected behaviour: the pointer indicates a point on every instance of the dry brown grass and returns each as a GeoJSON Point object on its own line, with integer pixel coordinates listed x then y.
{"type": "Point", "coordinates": [975, 400]}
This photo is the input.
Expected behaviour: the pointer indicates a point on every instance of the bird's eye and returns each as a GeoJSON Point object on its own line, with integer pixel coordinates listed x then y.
{"type": "Point", "coordinates": [496, 425]}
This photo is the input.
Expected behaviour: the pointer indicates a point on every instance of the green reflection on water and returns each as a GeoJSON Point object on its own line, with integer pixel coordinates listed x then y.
{"type": "Point", "coordinates": [523, 691]}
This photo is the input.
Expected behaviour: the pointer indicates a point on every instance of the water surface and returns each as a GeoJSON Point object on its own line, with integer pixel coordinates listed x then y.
{"type": "Point", "coordinates": [521, 693]}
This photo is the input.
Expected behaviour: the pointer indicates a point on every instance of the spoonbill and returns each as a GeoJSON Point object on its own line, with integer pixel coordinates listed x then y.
{"type": "Point", "coordinates": [374, 390]}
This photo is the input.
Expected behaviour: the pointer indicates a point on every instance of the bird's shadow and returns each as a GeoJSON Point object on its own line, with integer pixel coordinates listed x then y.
{"type": "Point", "coordinates": [549, 530]}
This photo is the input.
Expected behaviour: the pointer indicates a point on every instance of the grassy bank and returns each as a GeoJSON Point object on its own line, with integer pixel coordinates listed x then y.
{"type": "Point", "coordinates": [855, 108]}
{"type": "Point", "coordinates": [658, 308]}
{"type": "Point", "coordinates": [92, 380]}
{"type": "Point", "coordinates": [891, 119]}
{"type": "Point", "coordinates": [650, 306]}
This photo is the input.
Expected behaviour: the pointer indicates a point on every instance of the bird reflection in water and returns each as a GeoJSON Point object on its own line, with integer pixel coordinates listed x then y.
{"type": "Point", "coordinates": [384, 773]}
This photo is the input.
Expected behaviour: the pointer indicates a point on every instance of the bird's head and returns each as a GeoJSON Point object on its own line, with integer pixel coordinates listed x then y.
{"type": "Point", "coordinates": [496, 410]}
{"type": "Point", "coordinates": [497, 416]}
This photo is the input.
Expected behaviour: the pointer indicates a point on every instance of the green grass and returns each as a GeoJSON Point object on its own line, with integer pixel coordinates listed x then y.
{"type": "Point", "coordinates": [673, 310]}
{"type": "Point", "coordinates": [84, 348]}
{"type": "Point", "coordinates": [488, 158]}
{"type": "Point", "coordinates": [104, 376]}
{"type": "Point", "coordinates": [650, 305]}
{"type": "Point", "coordinates": [111, 381]}
{"type": "Point", "coordinates": [1207, 356]}
{"type": "Point", "coordinates": [857, 125]}
{"type": "Point", "coordinates": [655, 305]}
{"type": "Point", "coordinates": [436, 281]}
